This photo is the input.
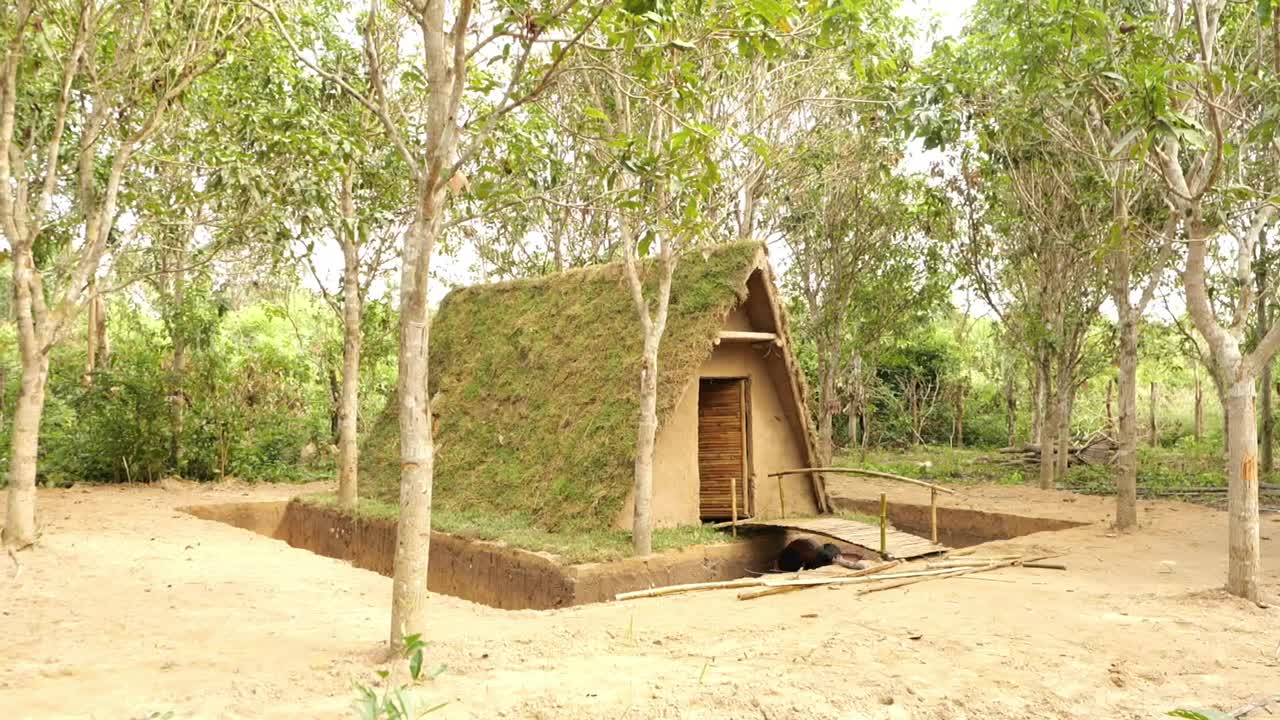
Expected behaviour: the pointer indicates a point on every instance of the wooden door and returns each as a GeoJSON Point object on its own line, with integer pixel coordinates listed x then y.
{"type": "Point", "coordinates": [723, 447]}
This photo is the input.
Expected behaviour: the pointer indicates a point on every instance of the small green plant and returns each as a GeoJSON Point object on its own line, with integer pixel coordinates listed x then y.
{"type": "Point", "coordinates": [1200, 714]}
{"type": "Point", "coordinates": [398, 702]}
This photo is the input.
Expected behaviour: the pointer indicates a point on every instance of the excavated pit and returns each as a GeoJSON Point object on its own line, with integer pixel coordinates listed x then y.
{"type": "Point", "coordinates": [957, 527]}
{"type": "Point", "coordinates": [491, 573]}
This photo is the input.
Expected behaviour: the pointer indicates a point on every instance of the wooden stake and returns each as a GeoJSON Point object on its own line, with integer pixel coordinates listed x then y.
{"type": "Point", "coordinates": [933, 515]}
{"type": "Point", "coordinates": [782, 499]}
{"type": "Point", "coordinates": [884, 522]}
{"type": "Point", "coordinates": [733, 490]}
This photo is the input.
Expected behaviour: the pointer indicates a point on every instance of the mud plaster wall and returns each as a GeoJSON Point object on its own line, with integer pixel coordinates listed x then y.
{"type": "Point", "coordinates": [491, 573]}
{"type": "Point", "coordinates": [776, 438]}
{"type": "Point", "coordinates": [957, 527]}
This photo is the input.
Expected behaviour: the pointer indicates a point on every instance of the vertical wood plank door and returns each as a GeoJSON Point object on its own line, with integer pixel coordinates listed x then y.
{"type": "Point", "coordinates": [722, 447]}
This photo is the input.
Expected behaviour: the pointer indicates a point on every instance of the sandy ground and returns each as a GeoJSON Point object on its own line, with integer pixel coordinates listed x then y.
{"type": "Point", "coordinates": [128, 608]}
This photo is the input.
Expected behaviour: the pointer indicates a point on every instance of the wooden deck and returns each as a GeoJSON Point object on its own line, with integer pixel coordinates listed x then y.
{"type": "Point", "coordinates": [899, 545]}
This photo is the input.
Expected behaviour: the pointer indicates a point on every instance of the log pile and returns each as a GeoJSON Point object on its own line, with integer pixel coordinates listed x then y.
{"type": "Point", "coordinates": [1097, 449]}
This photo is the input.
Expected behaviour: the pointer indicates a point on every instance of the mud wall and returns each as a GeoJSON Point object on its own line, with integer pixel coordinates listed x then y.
{"type": "Point", "coordinates": [957, 527]}
{"type": "Point", "coordinates": [486, 572]}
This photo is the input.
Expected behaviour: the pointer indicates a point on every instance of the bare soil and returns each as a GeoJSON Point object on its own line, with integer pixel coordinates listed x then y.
{"type": "Point", "coordinates": [128, 607]}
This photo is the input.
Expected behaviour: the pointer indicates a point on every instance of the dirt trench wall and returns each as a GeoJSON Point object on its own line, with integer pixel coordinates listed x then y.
{"type": "Point", "coordinates": [486, 572]}
{"type": "Point", "coordinates": [957, 527]}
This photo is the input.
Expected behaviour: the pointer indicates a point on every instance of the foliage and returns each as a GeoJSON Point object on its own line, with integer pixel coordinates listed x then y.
{"type": "Point", "coordinates": [257, 392]}
{"type": "Point", "coordinates": [399, 702]}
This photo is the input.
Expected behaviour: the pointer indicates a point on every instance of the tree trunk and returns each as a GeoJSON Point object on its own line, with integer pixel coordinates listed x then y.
{"type": "Point", "coordinates": [1264, 379]}
{"type": "Point", "coordinates": [866, 431]}
{"type": "Point", "coordinates": [1268, 420]}
{"type": "Point", "coordinates": [1111, 415]}
{"type": "Point", "coordinates": [1049, 421]}
{"type": "Point", "coordinates": [1235, 383]}
{"type": "Point", "coordinates": [349, 400]}
{"type": "Point", "coordinates": [417, 448]}
{"type": "Point", "coordinates": [642, 520]}
{"type": "Point", "coordinates": [177, 391]}
{"type": "Point", "coordinates": [1153, 432]}
{"type": "Point", "coordinates": [93, 326]}
{"type": "Point", "coordinates": [1127, 437]}
{"type": "Point", "coordinates": [826, 408]}
{"type": "Point", "coordinates": [20, 516]}
{"type": "Point", "coordinates": [1038, 405]}
{"type": "Point", "coordinates": [1244, 564]}
{"type": "Point", "coordinates": [1198, 429]}
{"type": "Point", "coordinates": [1066, 395]}
{"type": "Point", "coordinates": [1010, 407]}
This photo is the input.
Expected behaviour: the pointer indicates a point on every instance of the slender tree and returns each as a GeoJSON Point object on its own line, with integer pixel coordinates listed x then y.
{"type": "Point", "coordinates": [83, 87]}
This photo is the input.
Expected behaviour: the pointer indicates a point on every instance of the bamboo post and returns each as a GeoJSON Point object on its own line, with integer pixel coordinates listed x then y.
{"type": "Point", "coordinates": [782, 499]}
{"type": "Point", "coordinates": [884, 522]}
{"type": "Point", "coordinates": [933, 515]}
{"type": "Point", "coordinates": [733, 500]}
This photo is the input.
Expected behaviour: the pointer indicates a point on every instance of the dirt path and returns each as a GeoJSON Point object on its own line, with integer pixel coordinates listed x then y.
{"type": "Point", "coordinates": [129, 607]}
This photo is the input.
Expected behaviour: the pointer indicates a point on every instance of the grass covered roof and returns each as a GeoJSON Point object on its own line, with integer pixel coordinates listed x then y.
{"type": "Point", "coordinates": [536, 384]}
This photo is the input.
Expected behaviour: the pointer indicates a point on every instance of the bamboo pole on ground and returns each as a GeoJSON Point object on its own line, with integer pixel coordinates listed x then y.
{"type": "Point", "coordinates": [690, 587]}
{"type": "Point", "coordinates": [777, 589]}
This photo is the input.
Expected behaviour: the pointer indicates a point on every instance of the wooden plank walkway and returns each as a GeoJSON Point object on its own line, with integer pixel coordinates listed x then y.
{"type": "Point", "coordinates": [899, 545]}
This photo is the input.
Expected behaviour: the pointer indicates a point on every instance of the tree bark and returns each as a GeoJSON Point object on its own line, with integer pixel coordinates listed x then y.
{"type": "Point", "coordinates": [1198, 429]}
{"type": "Point", "coordinates": [1010, 407]}
{"type": "Point", "coordinates": [417, 447]}
{"type": "Point", "coordinates": [1038, 404]}
{"type": "Point", "coordinates": [349, 399]}
{"type": "Point", "coordinates": [654, 327]}
{"type": "Point", "coordinates": [1234, 377]}
{"type": "Point", "coordinates": [177, 390]}
{"type": "Point", "coordinates": [646, 438]}
{"type": "Point", "coordinates": [20, 519]}
{"type": "Point", "coordinates": [1067, 395]}
{"type": "Point", "coordinates": [1048, 422]}
{"type": "Point", "coordinates": [1127, 437]}
{"type": "Point", "coordinates": [1264, 380]}
{"type": "Point", "coordinates": [826, 407]}
{"type": "Point", "coordinates": [1244, 566]}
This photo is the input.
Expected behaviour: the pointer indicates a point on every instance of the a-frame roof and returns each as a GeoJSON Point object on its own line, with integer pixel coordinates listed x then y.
{"type": "Point", "coordinates": [536, 386]}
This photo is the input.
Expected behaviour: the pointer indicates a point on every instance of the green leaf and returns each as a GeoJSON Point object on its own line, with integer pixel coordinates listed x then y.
{"type": "Point", "coordinates": [415, 664]}
{"type": "Point", "coordinates": [1265, 11]}
{"type": "Point", "coordinates": [642, 250]}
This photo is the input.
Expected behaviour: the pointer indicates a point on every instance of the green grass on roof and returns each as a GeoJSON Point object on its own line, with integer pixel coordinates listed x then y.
{"type": "Point", "coordinates": [537, 384]}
